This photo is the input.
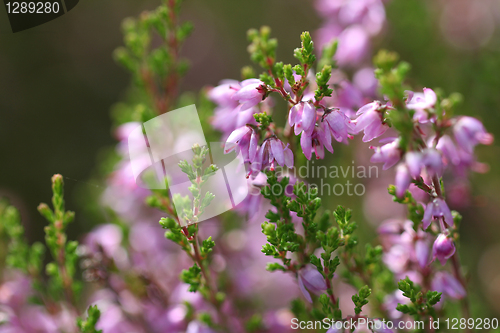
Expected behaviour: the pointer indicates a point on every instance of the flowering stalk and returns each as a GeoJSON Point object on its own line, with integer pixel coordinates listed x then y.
{"type": "Point", "coordinates": [158, 70]}
{"type": "Point", "coordinates": [62, 271]}
{"type": "Point", "coordinates": [183, 230]}
{"type": "Point", "coordinates": [424, 151]}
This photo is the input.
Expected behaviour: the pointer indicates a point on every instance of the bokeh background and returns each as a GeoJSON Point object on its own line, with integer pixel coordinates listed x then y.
{"type": "Point", "coordinates": [59, 83]}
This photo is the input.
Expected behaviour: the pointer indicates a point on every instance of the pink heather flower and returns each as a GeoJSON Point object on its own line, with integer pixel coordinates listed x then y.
{"type": "Point", "coordinates": [447, 284]}
{"type": "Point", "coordinates": [244, 140]}
{"type": "Point", "coordinates": [317, 141]}
{"type": "Point", "coordinates": [433, 162]}
{"type": "Point", "coordinates": [369, 13]}
{"type": "Point", "coordinates": [310, 279]}
{"type": "Point", "coordinates": [437, 208]}
{"type": "Point", "coordinates": [443, 248]}
{"type": "Point", "coordinates": [420, 102]}
{"type": "Point", "coordinates": [389, 154]}
{"type": "Point", "coordinates": [365, 81]}
{"type": "Point", "coordinates": [370, 120]}
{"type": "Point", "coordinates": [339, 125]}
{"type": "Point", "coordinates": [397, 258]}
{"type": "Point", "coordinates": [251, 93]}
{"type": "Point", "coordinates": [303, 116]}
{"type": "Point", "coordinates": [447, 147]}
{"type": "Point", "coordinates": [223, 93]}
{"type": "Point", "coordinates": [228, 118]}
{"type": "Point", "coordinates": [413, 160]}
{"type": "Point", "coordinates": [422, 252]}
{"type": "Point", "coordinates": [274, 151]}
{"type": "Point", "coordinates": [353, 47]}
{"type": "Point", "coordinates": [469, 132]}
{"type": "Point", "coordinates": [403, 179]}
{"type": "Point", "coordinates": [228, 114]}
{"type": "Point", "coordinates": [430, 159]}
{"type": "Point", "coordinates": [348, 97]}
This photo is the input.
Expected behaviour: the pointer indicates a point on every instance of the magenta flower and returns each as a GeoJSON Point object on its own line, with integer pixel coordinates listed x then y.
{"type": "Point", "coordinates": [228, 115]}
{"type": "Point", "coordinates": [447, 284]}
{"type": "Point", "coordinates": [370, 120]}
{"type": "Point", "coordinates": [437, 208]}
{"type": "Point", "coordinates": [447, 147]}
{"type": "Point", "coordinates": [354, 46]}
{"type": "Point", "coordinates": [430, 158]}
{"type": "Point", "coordinates": [413, 160]}
{"type": "Point", "coordinates": [252, 92]}
{"type": "Point", "coordinates": [469, 132]}
{"type": "Point", "coordinates": [420, 102]}
{"type": "Point", "coordinates": [422, 252]}
{"type": "Point", "coordinates": [223, 93]}
{"type": "Point", "coordinates": [339, 125]}
{"type": "Point", "coordinates": [443, 248]}
{"type": "Point", "coordinates": [303, 116]}
{"type": "Point", "coordinates": [317, 141]}
{"type": "Point", "coordinates": [274, 151]}
{"type": "Point", "coordinates": [310, 279]}
{"type": "Point", "coordinates": [403, 179]}
{"type": "Point", "coordinates": [389, 154]}
{"type": "Point", "coordinates": [244, 140]}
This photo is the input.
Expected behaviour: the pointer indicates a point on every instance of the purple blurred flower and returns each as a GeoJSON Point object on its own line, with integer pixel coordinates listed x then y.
{"type": "Point", "coordinates": [389, 154]}
{"type": "Point", "coordinates": [413, 160]}
{"type": "Point", "coordinates": [433, 162]}
{"type": "Point", "coordinates": [420, 102]}
{"type": "Point", "coordinates": [353, 47]}
{"type": "Point", "coordinates": [252, 92]}
{"type": "Point", "coordinates": [430, 158]}
{"type": "Point", "coordinates": [437, 208]}
{"type": "Point", "coordinates": [303, 116]}
{"type": "Point", "coordinates": [370, 120]}
{"type": "Point", "coordinates": [197, 327]}
{"type": "Point", "coordinates": [447, 284]}
{"type": "Point", "coordinates": [469, 132]}
{"type": "Point", "coordinates": [223, 93]}
{"type": "Point", "coordinates": [365, 81]}
{"type": "Point", "coordinates": [311, 280]}
{"type": "Point", "coordinates": [398, 257]}
{"type": "Point", "coordinates": [422, 252]}
{"type": "Point", "coordinates": [229, 115]}
{"type": "Point", "coordinates": [443, 248]}
{"type": "Point", "coordinates": [448, 149]}
{"type": "Point", "coordinates": [403, 179]}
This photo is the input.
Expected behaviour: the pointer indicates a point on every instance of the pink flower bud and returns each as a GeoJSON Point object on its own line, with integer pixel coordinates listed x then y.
{"type": "Point", "coordinates": [403, 180]}
{"type": "Point", "coordinates": [443, 248]}
{"type": "Point", "coordinates": [250, 94]}
{"type": "Point", "coordinates": [312, 280]}
{"type": "Point", "coordinates": [469, 132]}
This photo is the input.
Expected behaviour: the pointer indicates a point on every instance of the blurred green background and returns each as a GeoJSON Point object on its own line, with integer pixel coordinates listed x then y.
{"type": "Point", "coordinates": [58, 83]}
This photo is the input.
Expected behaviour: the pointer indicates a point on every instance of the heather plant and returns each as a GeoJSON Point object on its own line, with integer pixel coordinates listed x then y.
{"type": "Point", "coordinates": [284, 259]}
